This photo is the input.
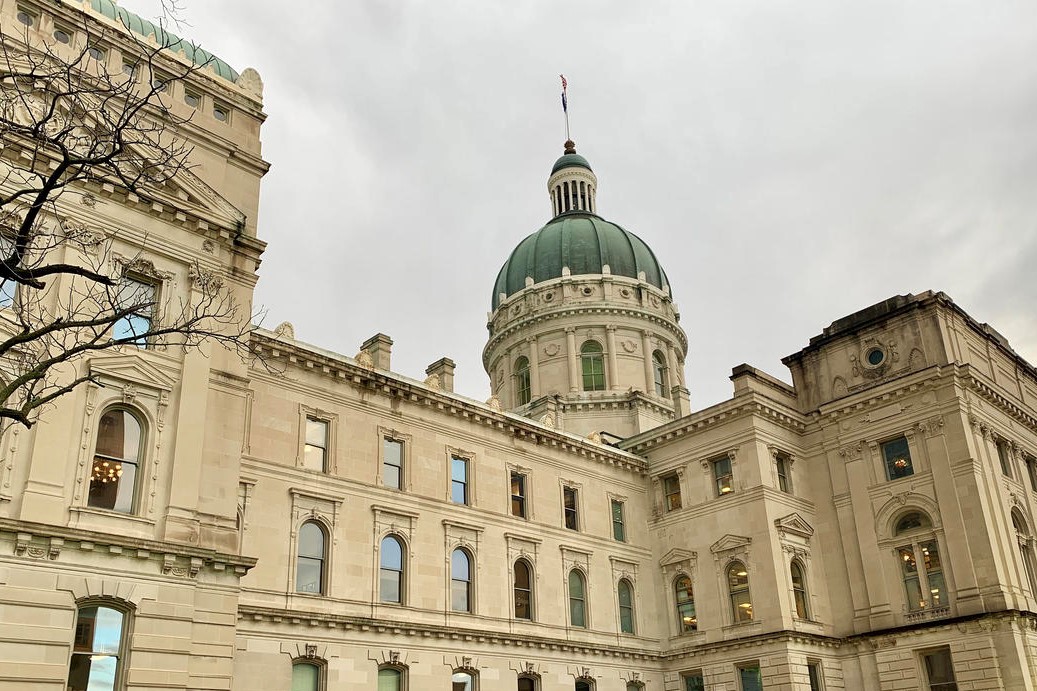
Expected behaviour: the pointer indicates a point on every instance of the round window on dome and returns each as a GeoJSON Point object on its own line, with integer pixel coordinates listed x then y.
{"type": "Point", "coordinates": [875, 357]}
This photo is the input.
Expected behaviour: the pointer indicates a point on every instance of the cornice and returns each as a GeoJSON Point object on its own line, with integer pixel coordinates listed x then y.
{"type": "Point", "coordinates": [988, 392]}
{"type": "Point", "coordinates": [345, 370]}
{"type": "Point", "coordinates": [746, 405]}
{"type": "Point", "coordinates": [40, 540]}
{"type": "Point", "coordinates": [883, 394]}
{"type": "Point", "coordinates": [418, 631]}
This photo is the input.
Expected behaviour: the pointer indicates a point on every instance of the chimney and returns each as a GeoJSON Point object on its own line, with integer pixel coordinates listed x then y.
{"type": "Point", "coordinates": [444, 367]}
{"type": "Point", "coordinates": [379, 347]}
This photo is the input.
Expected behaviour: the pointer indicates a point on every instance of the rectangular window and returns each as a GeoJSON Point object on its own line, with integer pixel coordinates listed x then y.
{"type": "Point", "coordinates": [814, 673]}
{"type": "Point", "coordinates": [315, 453]}
{"type": "Point", "coordinates": [1004, 455]}
{"type": "Point", "coordinates": [750, 677]}
{"type": "Point", "coordinates": [569, 501]}
{"type": "Point", "coordinates": [459, 480]}
{"type": "Point", "coordinates": [518, 494]}
{"type": "Point", "coordinates": [618, 529]}
{"type": "Point", "coordinates": [137, 299]}
{"type": "Point", "coordinates": [672, 492]}
{"type": "Point", "coordinates": [1031, 470]}
{"type": "Point", "coordinates": [392, 463]}
{"type": "Point", "coordinates": [939, 670]}
{"type": "Point", "coordinates": [693, 681]}
{"type": "Point", "coordinates": [897, 457]}
{"type": "Point", "coordinates": [781, 462]}
{"type": "Point", "coordinates": [722, 476]}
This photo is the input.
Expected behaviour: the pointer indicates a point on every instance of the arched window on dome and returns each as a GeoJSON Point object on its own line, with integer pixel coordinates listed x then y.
{"type": "Point", "coordinates": [113, 477]}
{"type": "Point", "coordinates": [523, 392]}
{"type": "Point", "coordinates": [659, 372]}
{"type": "Point", "coordinates": [593, 360]}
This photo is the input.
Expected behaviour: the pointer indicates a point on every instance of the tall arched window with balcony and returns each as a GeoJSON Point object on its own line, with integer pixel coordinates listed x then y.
{"type": "Point", "coordinates": [117, 452]}
{"type": "Point", "coordinates": [1025, 541]}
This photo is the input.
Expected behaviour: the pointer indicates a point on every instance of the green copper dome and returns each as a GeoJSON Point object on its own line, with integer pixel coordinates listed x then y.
{"type": "Point", "coordinates": [584, 243]}
{"type": "Point", "coordinates": [573, 160]}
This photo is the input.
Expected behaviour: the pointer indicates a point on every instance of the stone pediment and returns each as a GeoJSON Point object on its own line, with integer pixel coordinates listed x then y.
{"type": "Point", "coordinates": [677, 556]}
{"type": "Point", "coordinates": [190, 193]}
{"type": "Point", "coordinates": [131, 368]}
{"type": "Point", "coordinates": [794, 523]}
{"type": "Point", "coordinates": [729, 542]}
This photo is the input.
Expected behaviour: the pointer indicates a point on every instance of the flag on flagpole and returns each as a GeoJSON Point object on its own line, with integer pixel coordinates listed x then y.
{"type": "Point", "coordinates": [565, 85]}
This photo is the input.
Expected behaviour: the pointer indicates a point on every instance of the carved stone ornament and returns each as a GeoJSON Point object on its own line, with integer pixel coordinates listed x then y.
{"type": "Point", "coordinates": [629, 346]}
{"type": "Point", "coordinates": [594, 437]}
{"type": "Point", "coordinates": [88, 200]}
{"type": "Point", "coordinates": [250, 81]}
{"type": "Point", "coordinates": [208, 246]}
{"type": "Point", "coordinates": [364, 359]}
{"type": "Point", "coordinates": [551, 349]}
{"type": "Point", "coordinates": [78, 234]}
{"type": "Point", "coordinates": [311, 650]}
{"type": "Point", "coordinates": [204, 279]}
{"type": "Point", "coordinates": [852, 452]}
{"type": "Point", "coordinates": [931, 427]}
{"type": "Point", "coordinates": [394, 657]}
{"type": "Point", "coordinates": [494, 404]}
{"type": "Point", "coordinates": [285, 330]}
{"type": "Point", "coordinates": [142, 267]}
{"type": "Point", "coordinates": [432, 381]}
{"type": "Point", "coordinates": [548, 420]}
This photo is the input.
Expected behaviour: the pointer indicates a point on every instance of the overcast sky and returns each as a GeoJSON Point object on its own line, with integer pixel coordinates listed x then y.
{"type": "Point", "coordinates": [789, 162]}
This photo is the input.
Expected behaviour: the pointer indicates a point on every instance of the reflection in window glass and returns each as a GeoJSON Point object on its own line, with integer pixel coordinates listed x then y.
{"type": "Point", "coordinates": [618, 527]}
{"type": "Point", "coordinates": [390, 585]}
{"type": "Point", "coordinates": [897, 456]}
{"type": "Point", "coordinates": [518, 494]}
{"type": "Point", "coordinates": [686, 617]}
{"type": "Point", "coordinates": [459, 480]}
{"type": "Point", "coordinates": [96, 649]}
{"type": "Point", "coordinates": [751, 678]}
{"type": "Point", "coordinates": [316, 451]}
{"type": "Point", "coordinates": [569, 502]}
{"type": "Point", "coordinates": [305, 677]}
{"type": "Point", "coordinates": [722, 475]}
{"type": "Point", "coordinates": [626, 606]}
{"type": "Point", "coordinates": [462, 681]}
{"type": "Point", "coordinates": [593, 363]}
{"type": "Point", "coordinates": [137, 299]}
{"type": "Point", "coordinates": [390, 680]}
{"type": "Point", "coordinates": [738, 587]}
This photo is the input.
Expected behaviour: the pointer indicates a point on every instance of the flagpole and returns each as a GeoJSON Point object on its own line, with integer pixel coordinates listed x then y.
{"type": "Point", "coordinates": [565, 106]}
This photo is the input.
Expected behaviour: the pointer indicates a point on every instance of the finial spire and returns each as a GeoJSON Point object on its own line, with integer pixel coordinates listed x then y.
{"type": "Point", "coordinates": [570, 146]}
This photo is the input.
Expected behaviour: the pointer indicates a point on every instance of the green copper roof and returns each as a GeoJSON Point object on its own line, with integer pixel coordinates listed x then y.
{"type": "Point", "coordinates": [571, 161]}
{"type": "Point", "coordinates": [584, 243]}
{"type": "Point", "coordinates": [165, 39]}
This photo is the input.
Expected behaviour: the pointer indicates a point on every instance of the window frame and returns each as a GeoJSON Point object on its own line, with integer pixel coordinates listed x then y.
{"type": "Point", "coordinates": [523, 497]}
{"type": "Point", "coordinates": [1025, 544]}
{"type": "Point", "coordinates": [619, 527]}
{"type": "Point", "coordinates": [672, 496]}
{"type": "Point", "coordinates": [220, 107]}
{"type": "Point", "coordinates": [720, 488]}
{"type": "Point", "coordinates": [1003, 447]}
{"type": "Point", "coordinates": [1030, 462]}
{"type": "Point", "coordinates": [465, 485]}
{"type": "Point", "coordinates": [783, 469]}
{"type": "Point", "coordinates": [681, 603]}
{"type": "Point", "coordinates": [325, 449]}
{"type": "Point", "coordinates": [800, 595]}
{"type": "Point", "coordinates": [387, 439]}
{"type": "Point", "coordinates": [401, 671]}
{"type": "Point", "coordinates": [592, 366]}
{"type": "Point", "coordinates": [632, 610]}
{"type": "Point", "coordinates": [469, 582]}
{"type": "Point", "coordinates": [150, 313]}
{"type": "Point", "coordinates": [315, 663]}
{"type": "Point", "coordinates": [138, 476]}
{"type": "Point", "coordinates": [660, 372]}
{"type": "Point", "coordinates": [815, 675]}
{"type": "Point", "coordinates": [70, 33]}
{"type": "Point", "coordinates": [32, 13]}
{"type": "Point", "coordinates": [692, 675]}
{"type": "Point", "coordinates": [401, 573]}
{"type": "Point", "coordinates": [128, 612]}
{"type": "Point", "coordinates": [530, 592]}
{"type": "Point", "coordinates": [472, 674]}
{"type": "Point", "coordinates": [523, 381]}
{"type": "Point", "coordinates": [534, 681]}
{"type": "Point", "coordinates": [748, 666]}
{"type": "Point", "coordinates": [573, 510]}
{"type": "Point", "coordinates": [324, 559]}
{"type": "Point", "coordinates": [196, 96]}
{"type": "Point", "coordinates": [739, 613]}
{"type": "Point", "coordinates": [888, 463]}
{"type": "Point", "coordinates": [582, 599]}
{"type": "Point", "coordinates": [951, 685]}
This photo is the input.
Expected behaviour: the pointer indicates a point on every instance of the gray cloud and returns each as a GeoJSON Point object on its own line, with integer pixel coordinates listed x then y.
{"type": "Point", "coordinates": [789, 162]}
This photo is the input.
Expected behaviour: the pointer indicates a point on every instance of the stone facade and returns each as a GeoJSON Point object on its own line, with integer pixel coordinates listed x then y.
{"type": "Point", "coordinates": [870, 526]}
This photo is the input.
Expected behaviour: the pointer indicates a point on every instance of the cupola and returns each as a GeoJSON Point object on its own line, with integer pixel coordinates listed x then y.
{"type": "Point", "coordinates": [572, 185]}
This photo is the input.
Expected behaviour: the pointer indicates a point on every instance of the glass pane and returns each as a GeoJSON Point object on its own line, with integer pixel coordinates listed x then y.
{"type": "Point", "coordinates": [907, 560]}
{"type": "Point", "coordinates": [523, 609]}
{"type": "Point", "coordinates": [92, 672]}
{"type": "Point", "coordinates": [389, 585]}
{"type": "Point", "coordinates": [112, 485]}
{"type": "Point", "coordinates": [688, 619]}
{"type": "Point", "coordinates": [751, 678]}
{"type": "Point", "coordinates": [914, 593]}
{"type": "Point", "coordinates": [626, 619]}
{"type": "Point", "coordinates": [7, 291]}
{"type": "Point", "coordinates": [912, 521]}
{"type": "Point", "coordinates": [526, 685]}
{"type": "Point", "coordinates": [389, 680]}
{"type": "Point", "coordinates": [518, 485]}
{"type": "Point", "coordinates": [459, 565]}
{"type": "Point", "coordinates": [392, 554]}
{"type": "Point", "coordinates": [131, 326]}
{"type": "Point", "coordinates": [311, 540]}
{"type": "Point", "coordinates": [393, 452]}
{"type": "Point", "coordinates": [741, 606]}
{"type": "Point", "coordinates": [694, 682]}
{"type": "Point", "coordinates": [521, 575]}
{"type": "Point", "coordinates": [722, 467]}
{"type": "Point", "coordinates": [459, 469]}
{"type": "Point", "coordinates": [575, 585]}
{"type": "Point", "coordinates": [625, 594]}
{"type": "Point", "coordinates": [938, 667]}
{"type": "Point", "coordinates": [458, 492]}
{"type": "Point", "coordinates": [136, 295]}
{"type": "Point", "coordinates": [305, 677]}
{"type": "Point", "coordinates": [814, 670]}
{"type": "Point", "coordinates": [118, 435]}
{"type": "Point", "coordinates": [930, 556]}
{"type": "Point", "coordinates": [459, 596]}
{"type": "Point", "coordinates": [391, 476]}
{"type": "Point", "coordinates": [576, 613]}
{"type": "Point", "coordinates": [313, 458]}
{"type": "Point", "coordinates": [518, 507]}
{"type": "Point", "coordinates": [898, 458]}
{"type": "Point", "coordinates": [308, 575]}
{"type": "Point", "coordinates": [937, 589]}
{"type": "Point", "coordinates": [317, 432]}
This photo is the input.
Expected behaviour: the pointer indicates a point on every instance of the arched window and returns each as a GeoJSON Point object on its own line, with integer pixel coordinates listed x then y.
{"type": "Point", "coordinates": [309, 568]}
{"type": "Point", "coordinates": [593, 360]}
{"type": "Point", "coordinates": [577, 600]}
{"type": "Point", "coordinates": [306, 676]}
{"type": "Point", "coordinates": [98, 648]}
{"type": "Point", "coordinates": [113, 479]}
{"type": "Point", "coordinates": [625, 592]}
{"type": "Point", "coordinates": [659, 372]}
{"type": "Point", "coordinates": [390, 577]}
{"type": "Point", "coordinates": [738, 587]}
{"type": "Point", "coordinates": [1022, 536]}
{"type": "Point", "coordinates": [687, 620]}
{"type": "Point", "coordinates": [463, 681]}
{"type": "Point", "coordinates": [523, 591]}
{"type": "Point", "coordinates": [799, 589]}
{"type": "Point", "coordinates": [523, 392]}
{"type": "Point", "coordinates": [460, 581]}
{"type": "Point", "coordinates": [915, 520]}
{"type": "Point", "coordinates": [391, 679]}
{"type": "Point", "coordinates": [526, 684]}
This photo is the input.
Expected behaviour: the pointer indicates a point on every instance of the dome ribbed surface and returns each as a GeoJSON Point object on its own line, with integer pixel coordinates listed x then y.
{"type": "Point", "coordinates": [584, 243]}
{"type": "Point", "coordinates": [573, 160]}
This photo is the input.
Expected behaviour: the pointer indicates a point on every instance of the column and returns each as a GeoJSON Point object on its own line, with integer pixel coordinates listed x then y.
{"type": "Point", "coordinates": [646, 350]}
{"type": "Point", "coordinates": [613, 370]}
{"type": "Point", "coordinates": [570, 345]}
{"type": "Point", "coordinates": [534, 368]}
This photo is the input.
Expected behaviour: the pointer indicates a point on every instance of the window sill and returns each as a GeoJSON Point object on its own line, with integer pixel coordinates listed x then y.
{"type": "Point", "coordinates": [108, 513]}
